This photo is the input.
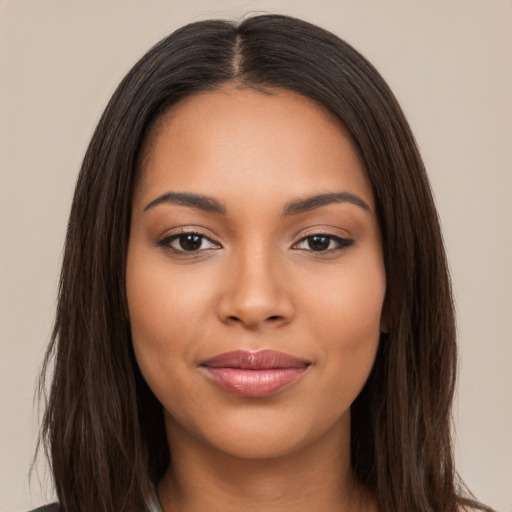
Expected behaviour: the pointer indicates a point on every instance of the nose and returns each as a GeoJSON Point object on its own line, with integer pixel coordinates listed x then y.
{"type": "Point", "coordinates": [256, 294]}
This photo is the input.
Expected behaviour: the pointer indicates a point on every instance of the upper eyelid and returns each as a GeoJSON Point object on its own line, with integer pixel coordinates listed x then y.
{"type": "Point", "coordinates": [165, 240]}
{"type": "Point", "coordinates": [338, 239]}
{"type": "Point", "coordinates": [187, 231]}
{"type": "Point", "coordinates": [323, 233]}
{"type": "Point", "coordinates": [325, 229]}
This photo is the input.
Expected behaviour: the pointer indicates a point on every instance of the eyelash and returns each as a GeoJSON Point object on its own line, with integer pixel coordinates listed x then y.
{"type": "Point", "coordinates": [167, 241]}
{"type": "Point", "coordinates": [341, 243]}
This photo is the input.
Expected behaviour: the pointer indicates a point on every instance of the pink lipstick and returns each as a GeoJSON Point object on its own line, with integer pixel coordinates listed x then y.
{"type": "Point", "coordinates": [254, 374]}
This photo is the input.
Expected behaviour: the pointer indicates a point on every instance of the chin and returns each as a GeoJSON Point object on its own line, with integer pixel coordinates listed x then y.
{"type": "Point", "coordinates": [261, 434]}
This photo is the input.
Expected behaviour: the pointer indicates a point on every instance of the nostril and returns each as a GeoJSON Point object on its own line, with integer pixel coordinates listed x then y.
{"type": "Point", "coordinates": [273, 318]}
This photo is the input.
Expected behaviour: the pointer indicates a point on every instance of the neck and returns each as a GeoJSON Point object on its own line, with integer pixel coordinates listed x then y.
{"type": "Point", "coordinates": [314, 477]}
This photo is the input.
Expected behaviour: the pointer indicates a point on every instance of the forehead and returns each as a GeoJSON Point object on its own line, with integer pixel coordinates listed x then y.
{"type": "Point", "coordinates": [242, 139]}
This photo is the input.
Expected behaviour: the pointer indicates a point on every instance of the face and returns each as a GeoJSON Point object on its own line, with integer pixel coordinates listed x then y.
{"type": "Point", "coordinates": [255, 276]}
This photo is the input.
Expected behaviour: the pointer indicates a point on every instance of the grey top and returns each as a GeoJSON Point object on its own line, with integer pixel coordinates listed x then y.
{"type": "Point", "coordinates": [154, 505]}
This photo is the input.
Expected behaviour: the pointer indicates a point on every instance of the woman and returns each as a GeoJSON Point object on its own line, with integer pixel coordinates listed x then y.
{"type": "Point", "coordinates": [255, 311]}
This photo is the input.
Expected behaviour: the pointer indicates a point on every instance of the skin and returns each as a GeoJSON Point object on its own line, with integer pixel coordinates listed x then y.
{"type": "Point", "coordinates": [255, 283]}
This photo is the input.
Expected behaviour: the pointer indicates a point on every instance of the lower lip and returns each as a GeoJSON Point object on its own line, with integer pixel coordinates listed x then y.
{"type": "Point", "coordinates": [254, 383]}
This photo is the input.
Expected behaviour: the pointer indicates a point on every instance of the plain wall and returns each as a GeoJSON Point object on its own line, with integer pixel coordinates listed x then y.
{"type": "Point", "coordinates": [449, 63]}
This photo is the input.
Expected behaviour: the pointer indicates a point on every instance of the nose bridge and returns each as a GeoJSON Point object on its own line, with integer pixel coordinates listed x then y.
{"type": "Point", "coordinates": [256, 292]}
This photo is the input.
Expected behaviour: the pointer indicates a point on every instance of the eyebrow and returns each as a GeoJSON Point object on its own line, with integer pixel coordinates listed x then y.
{"type": "Point", "coordinates": [200, 202]}
{"type": "Point", "coordinates": [312, 202]}
{"type": "Point", "coordinates": [295, 207]}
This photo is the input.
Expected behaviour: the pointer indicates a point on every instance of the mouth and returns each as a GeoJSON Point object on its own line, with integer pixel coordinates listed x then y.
{"type": "Point", "coordinates": [254, 374]}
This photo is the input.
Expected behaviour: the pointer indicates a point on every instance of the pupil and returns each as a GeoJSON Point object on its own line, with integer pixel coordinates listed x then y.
{"type": "Point", "coordinates": [190, 242]}
{"type": "Point", "coordinates": [318, 243]}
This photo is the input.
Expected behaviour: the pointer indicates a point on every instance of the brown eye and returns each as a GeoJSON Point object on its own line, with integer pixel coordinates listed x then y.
{"type": "Point", "coordinates": [318, 243]}
{"type": "Point", "coordinates": [323, 243]}
{"type": "Point", "coordinates": [188, 242]}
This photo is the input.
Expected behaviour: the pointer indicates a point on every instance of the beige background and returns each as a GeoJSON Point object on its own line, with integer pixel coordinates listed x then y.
{"type": "Point", "coordinates": [448, 61]}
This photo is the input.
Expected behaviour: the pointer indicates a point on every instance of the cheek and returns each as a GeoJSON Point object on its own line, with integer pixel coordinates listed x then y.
{"type": "Point", "coordinates": [348, 300]}
{"type": "Point", "coordinates": [345, 317]}
{"type": "Point", "coordinates": [162, 301]}
{"type": "Point", "coordinates": [165, 317]}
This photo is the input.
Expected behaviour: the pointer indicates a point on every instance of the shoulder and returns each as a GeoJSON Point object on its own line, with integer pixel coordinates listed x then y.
{"type": "Point", "coordinates": [54, 507]}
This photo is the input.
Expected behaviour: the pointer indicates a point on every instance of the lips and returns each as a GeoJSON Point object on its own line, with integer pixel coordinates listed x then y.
{"type": "Point", "coordinates": [254, 374]}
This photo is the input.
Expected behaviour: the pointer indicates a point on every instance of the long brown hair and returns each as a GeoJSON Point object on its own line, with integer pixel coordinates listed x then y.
{"type": "Point", "coordinates": [103, 428]}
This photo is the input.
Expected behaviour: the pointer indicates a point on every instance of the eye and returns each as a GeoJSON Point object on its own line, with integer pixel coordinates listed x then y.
{"type": "Point", "coordinates": [323, 243]}
{"type": "Point", "coordinates": [187, 242]}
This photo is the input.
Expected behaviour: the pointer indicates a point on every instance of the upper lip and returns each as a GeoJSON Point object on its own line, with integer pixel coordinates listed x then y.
{"type": "Point", "coordinates": [261, 360]}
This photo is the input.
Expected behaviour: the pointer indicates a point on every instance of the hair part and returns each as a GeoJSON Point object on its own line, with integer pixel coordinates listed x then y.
{"type": "Point", "coordinates": [103, 427]}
